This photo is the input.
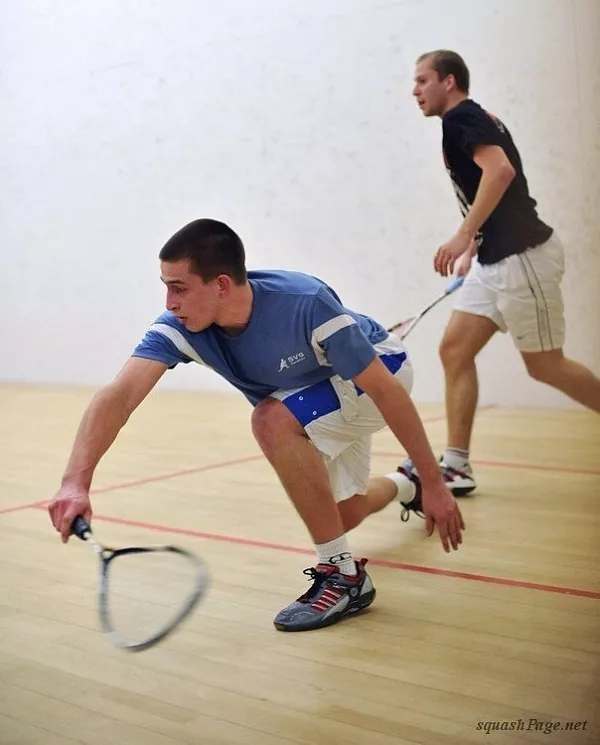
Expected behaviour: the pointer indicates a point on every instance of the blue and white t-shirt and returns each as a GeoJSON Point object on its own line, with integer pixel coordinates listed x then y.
{"type": "Point", "coordinates": [299, 334]}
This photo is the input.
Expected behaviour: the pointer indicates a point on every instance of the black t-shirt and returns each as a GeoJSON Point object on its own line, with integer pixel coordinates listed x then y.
{"type": "Point", "coordinates": [514, 225]}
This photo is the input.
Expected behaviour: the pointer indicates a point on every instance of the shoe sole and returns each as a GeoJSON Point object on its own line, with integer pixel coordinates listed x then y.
{"type": "Point", "coordinates": [361, 604]}
{"type": "Point", "coordinates": [462, 491]}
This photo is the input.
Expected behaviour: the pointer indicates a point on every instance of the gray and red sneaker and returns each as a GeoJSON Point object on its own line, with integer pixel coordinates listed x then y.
{"type": "Point", "coordinates": [332, 597]}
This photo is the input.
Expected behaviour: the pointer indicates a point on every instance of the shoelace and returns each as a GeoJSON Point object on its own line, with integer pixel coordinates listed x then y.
{"type": "Point", "coordinates": [407, 508]}
{"type": "Point", "coordinates": [318, 578]}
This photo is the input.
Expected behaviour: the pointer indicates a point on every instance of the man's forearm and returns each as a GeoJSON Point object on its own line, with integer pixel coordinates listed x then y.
{"type": "Point", "coordinates": [99, 427]}
{"type": "Point", "coordinates": [494, 183]}
{"type": "Point", "coordinates": [403, 419]}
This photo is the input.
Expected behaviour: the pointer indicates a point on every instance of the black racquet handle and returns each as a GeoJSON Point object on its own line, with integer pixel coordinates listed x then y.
{"type": "Point", "coordinates": [80, 527]}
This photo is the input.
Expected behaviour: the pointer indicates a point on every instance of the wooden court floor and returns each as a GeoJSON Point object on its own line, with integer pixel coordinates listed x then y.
{"type": "Point", "coordinates": [456, 649]}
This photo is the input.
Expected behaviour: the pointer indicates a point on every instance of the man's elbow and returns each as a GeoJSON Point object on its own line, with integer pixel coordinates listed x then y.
{"type": "Point", "coordinates": [507, 172]}
{"type": "Point", "coordinates": [380, 387]}
{"type": "Point", "coordinates": [117, 399]}
{"type": "Point", "coordinates": [496, 165]}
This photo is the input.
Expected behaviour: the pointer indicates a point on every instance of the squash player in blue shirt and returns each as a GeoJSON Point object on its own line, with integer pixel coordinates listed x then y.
{"type": "Point", "coordinates": [321, 378]}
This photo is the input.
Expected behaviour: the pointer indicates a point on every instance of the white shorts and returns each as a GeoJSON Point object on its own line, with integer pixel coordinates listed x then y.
{"type": "Point", "coordinates": [340, 420]}
{"type": "Point", "coordinates": [522, 295]}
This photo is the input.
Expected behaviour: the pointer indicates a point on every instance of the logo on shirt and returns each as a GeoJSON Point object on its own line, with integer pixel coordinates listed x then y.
{"type": "Point", "coordinates": [290, 361]}
{"type": "Point", "coordinates": [463, 201]}
{"type": "Point", "coordinates": [497, 122]}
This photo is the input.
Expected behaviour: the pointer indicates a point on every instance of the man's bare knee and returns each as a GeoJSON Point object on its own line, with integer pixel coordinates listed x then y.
{"type": "Point", "coordinates": [272, 421]}
{"type": "Point", "coordinates": [452, 353]}
{"type": "Point", "coordinates": [455, 353]}
{"type": "Point", "coordinates": [465, 336]}
{"type": "Point", "coordinates": [544, 367]}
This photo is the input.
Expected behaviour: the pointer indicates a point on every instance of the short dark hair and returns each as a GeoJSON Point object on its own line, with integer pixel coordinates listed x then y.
{"type": "Point", "coordinates": [211, 247]}
{"type": "Point", "coordinates": [445, 63]}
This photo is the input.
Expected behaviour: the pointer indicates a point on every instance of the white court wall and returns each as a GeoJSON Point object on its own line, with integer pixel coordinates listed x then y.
{"type": "Point", "coordinates": [294, 122]}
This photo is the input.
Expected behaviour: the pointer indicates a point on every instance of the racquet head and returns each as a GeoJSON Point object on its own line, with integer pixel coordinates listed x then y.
{"type": "Point", "coordinates": [145, 592]}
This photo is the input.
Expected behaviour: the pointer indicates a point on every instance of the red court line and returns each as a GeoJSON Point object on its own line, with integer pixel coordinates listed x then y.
{"type": "Point", "coordinates": [141, 482]}
{"type": "Point", "coordinates": [517, 464]}
{"type": "Point", "coordinates": [28, 506]}
{"type": "Point", "coordinates": [539, 467]}
{"type": "Point", "coordinates": [375, 562]}
{"type": "Point", "coordinates": [182, 472]}
{"type": "Point", "coordinates": [442, 417]}
{"type": "Point", "coordinates": [250, 458]}
{"type": "Point", "coordinates": [173, 474]}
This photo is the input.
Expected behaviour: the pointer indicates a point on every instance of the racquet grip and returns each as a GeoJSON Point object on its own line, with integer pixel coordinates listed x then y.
{"type": "Point", "coordinates": [455, 285]}
{"type": "Point", "coordinates": [80, 527]}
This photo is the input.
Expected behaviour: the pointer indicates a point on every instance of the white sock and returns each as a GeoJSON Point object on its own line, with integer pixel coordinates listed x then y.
{"type": "Point", "coordinates": [406, 488]}
{"type": "Point", "coordinates": [338, 554]}
{"type": "Point", "coordinates": [456, 458]}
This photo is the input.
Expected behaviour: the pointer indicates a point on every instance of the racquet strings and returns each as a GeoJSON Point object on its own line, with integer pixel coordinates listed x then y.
{"type": "Point", "coordinates": [145, 592]}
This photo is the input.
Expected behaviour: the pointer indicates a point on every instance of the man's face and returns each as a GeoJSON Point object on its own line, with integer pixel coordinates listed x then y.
{"type": "Point", "coordinates": [431, 92]}
{"type": "Point", "coordinates": [193, 302]}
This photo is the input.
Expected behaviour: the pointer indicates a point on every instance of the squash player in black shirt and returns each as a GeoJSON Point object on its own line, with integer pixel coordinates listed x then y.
{"type": "Point", "coordinates": [513, 261]}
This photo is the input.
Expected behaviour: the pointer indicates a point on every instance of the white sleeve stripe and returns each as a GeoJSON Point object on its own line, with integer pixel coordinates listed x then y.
{"type": "Point", "coordinates": [329, 328]}
{"type": "Point", "coordinates": [178, 340]}
{"type": "Point", "coordinates": [325, 330]}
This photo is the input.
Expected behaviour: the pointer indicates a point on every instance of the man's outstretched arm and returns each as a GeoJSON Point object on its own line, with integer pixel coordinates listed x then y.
{"type": "Point", "coordinates": [102, 421]}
